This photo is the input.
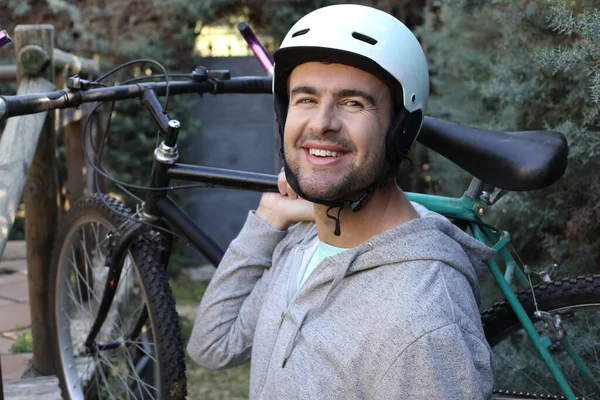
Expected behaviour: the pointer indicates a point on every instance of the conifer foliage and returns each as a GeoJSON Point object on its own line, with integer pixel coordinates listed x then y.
{"type": "Point", "coordinates": [528, 65]}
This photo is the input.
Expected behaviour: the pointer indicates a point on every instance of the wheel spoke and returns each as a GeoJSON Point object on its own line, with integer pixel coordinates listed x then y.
{"type": "Point", "coordinates": [106, 362]}
{"type": "Point", "coordinates": [515, 386]}
{"type": "Point", "coordinates": [520, 367]}
{"type": "Point", "coordinates": [139, 380]}
{"type": "Point", "coordinates": [101, 370]}
{"type": "Point", "coordinates": [132, 370]}
{"type": "Point", "coordinates": [139, 346]}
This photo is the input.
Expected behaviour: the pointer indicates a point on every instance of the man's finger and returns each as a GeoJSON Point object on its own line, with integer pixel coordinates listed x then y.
{"type": "Point", "coordinates": [290, 192]}
{"type": "Point", "coordinates": [282, 183]}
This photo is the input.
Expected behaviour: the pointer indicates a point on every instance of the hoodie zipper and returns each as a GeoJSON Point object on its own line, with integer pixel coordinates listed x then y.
{"type": "Point", "coordinates": [281, 321]}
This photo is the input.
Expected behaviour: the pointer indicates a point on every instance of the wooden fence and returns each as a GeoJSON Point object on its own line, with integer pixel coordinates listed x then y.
{"type": "Point", "coordinates": [28, 166]}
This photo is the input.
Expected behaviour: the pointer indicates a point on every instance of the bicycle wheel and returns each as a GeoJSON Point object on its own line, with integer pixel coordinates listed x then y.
{"type": "Point", "coordinates": [138, 353]}
{"type": "Point", "coordinates": [520, 372]}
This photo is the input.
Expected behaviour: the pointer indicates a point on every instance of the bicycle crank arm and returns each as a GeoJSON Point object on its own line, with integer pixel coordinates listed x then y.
{"type": "Point", "coordinates": [112, 281]}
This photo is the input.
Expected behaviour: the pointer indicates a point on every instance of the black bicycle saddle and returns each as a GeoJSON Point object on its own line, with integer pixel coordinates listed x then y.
{"type": "Point", "coordinates": [517, 161]}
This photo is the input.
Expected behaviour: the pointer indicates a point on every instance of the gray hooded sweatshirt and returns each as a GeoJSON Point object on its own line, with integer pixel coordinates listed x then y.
{"type": "Point", "coordinates": [393, 318]}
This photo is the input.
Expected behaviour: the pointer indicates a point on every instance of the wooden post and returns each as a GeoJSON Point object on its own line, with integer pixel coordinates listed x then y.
{"type": "Point", "coordinates": [75, 161]}
{"type": "Point", "coordinates": [17, 148]}
{"type": "Point", "coordinates": [97, 137]}
{"type": "Point", "coordinates": [34, 49]}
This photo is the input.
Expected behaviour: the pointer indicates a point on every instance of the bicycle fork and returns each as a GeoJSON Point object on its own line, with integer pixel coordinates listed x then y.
{"type": "Point", "coordinates": [115, 265]}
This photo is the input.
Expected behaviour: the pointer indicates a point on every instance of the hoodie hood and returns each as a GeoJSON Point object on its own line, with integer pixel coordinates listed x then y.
{"type": "Point", "coordinates": [429, 237]}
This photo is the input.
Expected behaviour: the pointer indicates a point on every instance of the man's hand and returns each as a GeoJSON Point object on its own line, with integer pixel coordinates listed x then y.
{"type": "Point", "coordinates": [280, 210]}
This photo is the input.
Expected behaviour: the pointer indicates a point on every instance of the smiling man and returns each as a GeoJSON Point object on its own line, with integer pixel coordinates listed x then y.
{"type": "Point", "coordinates": [338, 287]}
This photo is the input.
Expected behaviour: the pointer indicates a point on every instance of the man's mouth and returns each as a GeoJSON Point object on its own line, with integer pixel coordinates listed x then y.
{"type": "Point", "coordinates": [324, 153]}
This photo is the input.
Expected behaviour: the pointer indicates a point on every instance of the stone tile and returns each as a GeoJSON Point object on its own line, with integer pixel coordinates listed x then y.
{"type": "Point", "coordinates": [12, 278]}
{"type": "Point", "coordinates": [13, 365]}
{"type": "Point", "coordinates": [14, 265]}
{"type": "Point", "coordinates": [5, 345]}
{"type": "Point", "coordinates": [18, 291]}
{"type": "Point", "coordinates": [6, 302]}
{"type": "Point", "coordinates": [14, 316]}
{"type": "Point", "coordinates": [15, 249]}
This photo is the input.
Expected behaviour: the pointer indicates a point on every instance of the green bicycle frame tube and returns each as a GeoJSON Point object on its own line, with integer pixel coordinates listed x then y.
{"type": "Point", "coordinates": [524, 319]}
{"type": "Point", "coordinates": [448, 206]}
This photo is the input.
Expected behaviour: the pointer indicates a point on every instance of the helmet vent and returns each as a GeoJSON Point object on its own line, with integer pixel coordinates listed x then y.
{"type": "Point", "coordinates": [364, 38]}
{"type": "Point", "coordinates": [301, 32]}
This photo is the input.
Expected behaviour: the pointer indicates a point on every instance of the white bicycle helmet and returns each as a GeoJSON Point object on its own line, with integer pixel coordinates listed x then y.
{"type": "Point", "coordinates": [368, 39]}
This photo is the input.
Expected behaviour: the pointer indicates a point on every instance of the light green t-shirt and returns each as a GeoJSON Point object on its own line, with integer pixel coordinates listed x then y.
{"type": "Point", "coordinates": [322, 250]}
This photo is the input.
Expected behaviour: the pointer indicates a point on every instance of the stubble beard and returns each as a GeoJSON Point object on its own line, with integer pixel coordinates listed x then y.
{"type": "Point", "coordinates": [319, 184]}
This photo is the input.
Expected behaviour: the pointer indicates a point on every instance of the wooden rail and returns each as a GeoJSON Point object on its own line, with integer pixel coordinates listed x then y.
{"type": "Point", "coordinates": [63, 62]}
{"type": "Point", "coordinates": [28, 168]}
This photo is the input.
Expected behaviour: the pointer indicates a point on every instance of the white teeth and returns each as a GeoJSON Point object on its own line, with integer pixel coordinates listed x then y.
{"type": "Point", "coordinates": [323, 153]}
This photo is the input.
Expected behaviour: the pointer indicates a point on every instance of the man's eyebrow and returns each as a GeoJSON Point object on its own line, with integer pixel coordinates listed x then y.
{"type": "Point", "coordinates": [342, 93]}
{"type": "Point", "coordinates": [303, 90]}
{"type": "Point", "coordinates": [357, 93]}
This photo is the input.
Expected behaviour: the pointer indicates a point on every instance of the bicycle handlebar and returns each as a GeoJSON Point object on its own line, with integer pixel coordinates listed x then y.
{"type": "Point", "coordinates": [11, 106]}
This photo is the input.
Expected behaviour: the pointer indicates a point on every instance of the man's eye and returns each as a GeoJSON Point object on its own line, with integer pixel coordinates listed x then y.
{"type": "Point", "coordinates": [353, 103]}
{"type": "Point", "coordinates": [305, 101]}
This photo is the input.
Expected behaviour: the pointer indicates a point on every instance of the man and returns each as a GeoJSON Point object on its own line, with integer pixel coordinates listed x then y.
{"type": "Point", "coordinates": [377, 298]}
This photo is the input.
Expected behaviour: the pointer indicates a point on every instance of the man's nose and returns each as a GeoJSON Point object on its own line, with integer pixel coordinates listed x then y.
{"type": "Point", "coordinates": [325, 119]}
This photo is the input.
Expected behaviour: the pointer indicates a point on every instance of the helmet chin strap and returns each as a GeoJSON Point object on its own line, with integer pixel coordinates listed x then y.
{"type": "Point", "coordinates": [354, 205]}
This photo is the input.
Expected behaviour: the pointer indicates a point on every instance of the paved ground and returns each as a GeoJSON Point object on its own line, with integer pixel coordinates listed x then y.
{"type": "Point", "coordinates": [15, 317]}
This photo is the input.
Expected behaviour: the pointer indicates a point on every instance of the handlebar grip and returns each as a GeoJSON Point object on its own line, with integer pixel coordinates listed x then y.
{"type": "Point", "coordinates": [31, 103]}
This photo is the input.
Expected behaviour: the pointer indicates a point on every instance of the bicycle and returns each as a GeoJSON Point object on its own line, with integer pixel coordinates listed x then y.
{"type": "Point", "coordinates": [114, 320]}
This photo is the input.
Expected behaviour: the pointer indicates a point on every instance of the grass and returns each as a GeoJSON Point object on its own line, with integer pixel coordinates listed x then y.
{"type": "Point", "coordinates": [23, 343]}
{"type": "Point", "coordinates": [229, 384]}
{"type": "Point", "coordinates": [187, 292]}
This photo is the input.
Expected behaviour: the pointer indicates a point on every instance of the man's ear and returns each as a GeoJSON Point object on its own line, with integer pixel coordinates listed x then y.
{"type": "Point", "coordinates": [403, 133]}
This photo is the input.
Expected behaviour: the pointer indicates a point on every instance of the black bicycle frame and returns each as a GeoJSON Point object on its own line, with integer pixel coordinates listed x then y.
{"type": "Point", "coordinates": [159, 207]}
{"type": "Point", "coordinates": [164, 168]}
{"type": "Point", "coordinates": [175, 216]}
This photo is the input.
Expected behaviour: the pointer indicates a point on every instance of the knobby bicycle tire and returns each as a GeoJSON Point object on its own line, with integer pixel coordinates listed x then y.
{"type": "Point", "coordinates": [519, 369]}
{"type": "Point", "coordinates": [139, 350]}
